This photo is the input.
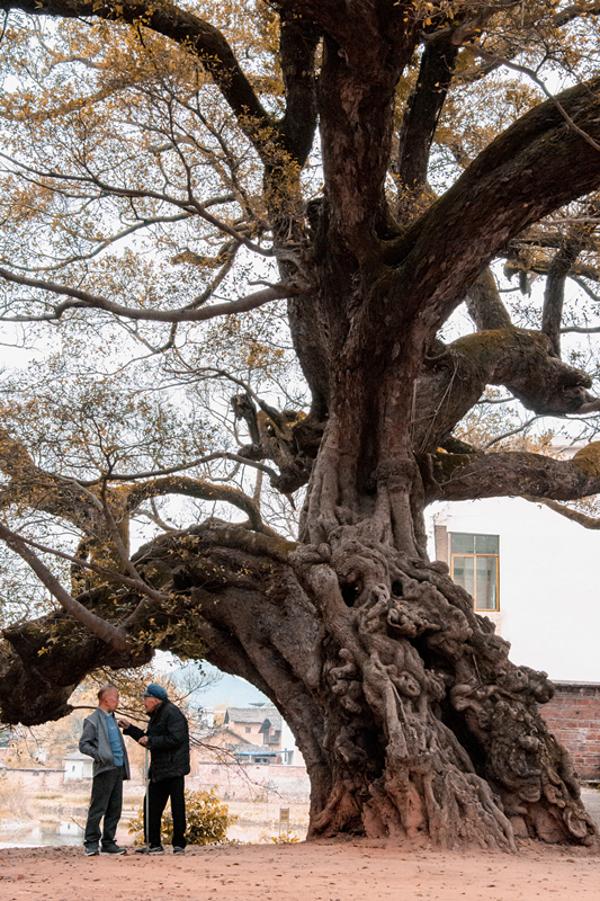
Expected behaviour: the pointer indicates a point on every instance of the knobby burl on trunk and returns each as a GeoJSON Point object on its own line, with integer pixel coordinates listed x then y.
{"type": "Point", "coordinates": [411, 718]}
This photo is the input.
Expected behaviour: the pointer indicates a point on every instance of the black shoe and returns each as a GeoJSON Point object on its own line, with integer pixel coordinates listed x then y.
{"type": "Point", "coordinates": [91, 852]}
{"type": "Point", "coordinates": [151, 849]}
{"type": "Point", "coordinates": [177, 849]}
{"type": "Point", "coordinates": [113, 849]}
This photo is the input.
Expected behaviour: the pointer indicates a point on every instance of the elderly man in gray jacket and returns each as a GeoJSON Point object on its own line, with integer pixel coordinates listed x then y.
{"type": "Point", "coordinates": [102, 740]}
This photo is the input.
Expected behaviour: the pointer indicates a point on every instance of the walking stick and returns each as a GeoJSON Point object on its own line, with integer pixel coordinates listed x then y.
{"type": "Point", "coordinates": [146, 799]}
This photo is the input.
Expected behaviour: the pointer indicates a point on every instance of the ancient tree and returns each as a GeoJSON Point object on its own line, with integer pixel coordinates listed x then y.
{"type": "Point", "coordinates": [180, 179]}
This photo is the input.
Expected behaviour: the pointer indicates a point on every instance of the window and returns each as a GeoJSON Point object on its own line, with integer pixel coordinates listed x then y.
{"type": "Point", "coordinates": [474, 564]}
{"type": "Point", "coordinates": [248, 730]}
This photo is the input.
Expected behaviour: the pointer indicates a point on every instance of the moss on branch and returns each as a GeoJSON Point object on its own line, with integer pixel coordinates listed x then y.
{"type": "Point", "coordinates": [588, 459]}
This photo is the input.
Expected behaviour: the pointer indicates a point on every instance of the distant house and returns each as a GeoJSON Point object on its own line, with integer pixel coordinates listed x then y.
{"type": "Point", "coordinates": [263, 726]}
{"type": "Point", "coordinates": [77, 766]}
{"type": "Point", "coordinates": [259, 724]}
{"type": "Point", "coordinates": [236, 747]}
{"type": "Point", "coordinates": [225, 738]}
{"type": "Point", "coordinates": [221, 744]}
{"type": "Point", "coordinates": [257, 754]}
{"type": "Point", "coordinates": [206, 718]}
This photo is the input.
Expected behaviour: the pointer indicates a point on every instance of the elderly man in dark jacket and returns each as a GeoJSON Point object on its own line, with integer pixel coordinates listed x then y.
{"type": "Point", "coordinates": [167, 739]}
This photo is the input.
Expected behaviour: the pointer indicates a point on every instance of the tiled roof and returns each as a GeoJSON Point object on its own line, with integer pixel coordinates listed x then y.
{"type": "Point", "coordinates": [254, 715]}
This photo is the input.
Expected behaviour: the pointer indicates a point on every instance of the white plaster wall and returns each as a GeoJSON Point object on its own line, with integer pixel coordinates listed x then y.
{"type": "Point", "coordinates": [549, 582]}
{"type": "Point", "coordinates": [288, 743]}
{"type": "Point", "coordinates": [78, 769]}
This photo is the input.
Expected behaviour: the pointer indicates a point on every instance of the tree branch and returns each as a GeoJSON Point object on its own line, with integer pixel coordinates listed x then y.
{"type": "Point", "coordinates": [362, 64]}
{"type": "Point", "coordinates": [34, 487]}
{"type": "Point", "coordinates": [87, 300]}
{"type": "Point", "coordinates": [458, 477]}
{"type": "Point", "coordinates": [188, 203]}
{"type": "Point", "coordinates": [523, 361]}
{"type": "Point", "coordinates": [15, 459]}
{"type": "Point", "coordinates": [298, 43]}
{"type": "Point", "coordinates": [582, 519]}
{"type": "Point", "coordinates": [575, 11]}
{"type": "Point", "coordinates": [233, 574]}
{"type": "Point", "coordinates": [169, 470]}
{"type": "Point", "coordinates": [536, 166]}
{"type": "Point", "coordinates": [106, 632]}
{"type": "Point", "coordinates": [198, 488]}
{"type": "Point", "coordinates": [484, 303]}
{"type": "Point", "coordinates": [579, 281]}
{"type": "Point", "coordinates": [423, 111]}
{"type": "Point", "coordinates": [554, 293]}
{"type": "Point", "coordinates": [188, 30]}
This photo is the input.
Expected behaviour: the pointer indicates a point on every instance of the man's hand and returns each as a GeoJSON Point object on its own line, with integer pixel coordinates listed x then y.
{"type": "Point", "coordinates": [124, 724]}
{"type": "Point", "coordinates": [143, 741]}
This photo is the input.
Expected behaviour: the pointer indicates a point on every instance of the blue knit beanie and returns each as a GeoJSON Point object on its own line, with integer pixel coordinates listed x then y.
{"type": "Point", "coordinates": [156, 691]}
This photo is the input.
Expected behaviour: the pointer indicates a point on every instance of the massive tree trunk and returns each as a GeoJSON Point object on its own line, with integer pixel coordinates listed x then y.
{"type": "Point", "coordinates": [426, 727]}
{"type": "Point", "coordinates": [411, 719]}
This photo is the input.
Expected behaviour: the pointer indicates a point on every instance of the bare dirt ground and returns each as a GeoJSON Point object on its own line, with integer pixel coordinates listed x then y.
{"type": "Point", "coordinates": [324, 871]}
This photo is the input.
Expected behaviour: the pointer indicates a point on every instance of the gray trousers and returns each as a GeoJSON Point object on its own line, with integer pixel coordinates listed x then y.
{"type": "Point", "coordinates": [106, 801]}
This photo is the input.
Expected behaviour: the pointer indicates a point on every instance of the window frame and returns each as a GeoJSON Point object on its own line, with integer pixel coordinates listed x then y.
{"type": "Point", "coordinates": [474, 556]}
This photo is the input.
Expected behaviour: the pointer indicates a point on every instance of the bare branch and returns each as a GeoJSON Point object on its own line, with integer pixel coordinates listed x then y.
{"type": "Point", "coordinates": [532, 74]}
{"type": "Point", "coordinates": [103, 630]}
{"type": "Point", "coordinates": [579, 281]}
{"type": "Point", "coordinates": [189, 203]}
{"type": "Point", "coordinates": [198, 488]}
{"type": "Point", "coordinates": [192, 464]}
{"type": "Point", "coordinates": [582, 519]}
{"type": "Point", "coordinates": [575, 11]}
{"type": "Point", "coordinates": [509, 434]}
{"type": "Point", "coordinates": [555, 290]}
{"type": "Point", "coordinates": [86, 300]}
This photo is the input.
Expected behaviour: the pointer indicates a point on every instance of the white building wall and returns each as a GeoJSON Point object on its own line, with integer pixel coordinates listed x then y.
{"type": "Point", "coordinates": [78, 768]}
{"type": "Point", "coordinates": [549, 582]}
{"type": "Point", "coordinates": [288, 743]}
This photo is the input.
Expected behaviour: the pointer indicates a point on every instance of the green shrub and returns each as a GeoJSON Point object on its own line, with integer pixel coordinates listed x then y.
{"type": "Point", "coordinates": [208, 820]}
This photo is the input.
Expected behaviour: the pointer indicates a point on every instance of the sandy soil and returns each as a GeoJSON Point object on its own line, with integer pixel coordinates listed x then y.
{"type": "Point", "coordinates": [341, 871]}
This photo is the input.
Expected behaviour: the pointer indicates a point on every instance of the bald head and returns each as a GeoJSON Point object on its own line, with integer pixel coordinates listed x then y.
{"type": "Point", "coordinates": [108, 698]}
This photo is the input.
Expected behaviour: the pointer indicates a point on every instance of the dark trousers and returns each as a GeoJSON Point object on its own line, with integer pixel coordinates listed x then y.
{"type": "Point", "coordinates": [106, 801]}
{"type": "Point", "coordinates": [155, 803]}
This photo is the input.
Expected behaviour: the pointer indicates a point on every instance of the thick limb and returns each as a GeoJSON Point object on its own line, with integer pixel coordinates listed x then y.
{"type": "Point", "coordinates": [513, 473]}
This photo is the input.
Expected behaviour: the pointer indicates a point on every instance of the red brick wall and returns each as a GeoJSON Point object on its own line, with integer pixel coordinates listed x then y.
{"type": "Point", "coordinates": [573, 715]}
